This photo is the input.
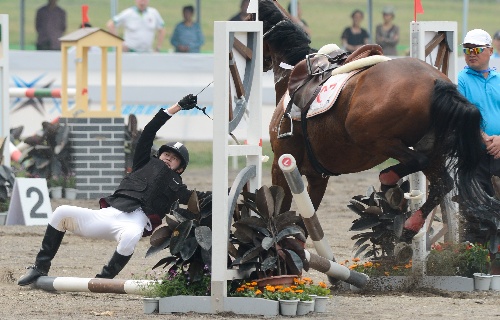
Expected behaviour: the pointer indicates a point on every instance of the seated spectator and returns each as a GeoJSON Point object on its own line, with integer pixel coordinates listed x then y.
{"type": "Point", "coordinates": [354, 36]}
{"type": "Point", "coordinates": [387, 33]}
{"type": "Point", "coordinates": [187, 36]}
{"type": "Point", "coordinates": [242, 15]}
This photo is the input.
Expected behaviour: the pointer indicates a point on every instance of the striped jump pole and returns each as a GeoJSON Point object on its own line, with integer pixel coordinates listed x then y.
{"type": "Point", "coordinates": [98, 285]}
{"type": "Point", "coordinates": [305, 207]}
{"type": "Point", "coordinates": [40, 92]}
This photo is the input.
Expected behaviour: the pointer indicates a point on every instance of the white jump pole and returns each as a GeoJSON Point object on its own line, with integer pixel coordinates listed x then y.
{"type": "Point", "coordinates": [74, 284]}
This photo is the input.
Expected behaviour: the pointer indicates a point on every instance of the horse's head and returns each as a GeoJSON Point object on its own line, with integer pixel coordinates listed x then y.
{"type": "Point", "coordinates": [281, 34]}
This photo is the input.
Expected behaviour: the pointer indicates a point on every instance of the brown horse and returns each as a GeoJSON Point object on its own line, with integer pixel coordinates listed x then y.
{"type": "Point", "coordinates": [403, 109]}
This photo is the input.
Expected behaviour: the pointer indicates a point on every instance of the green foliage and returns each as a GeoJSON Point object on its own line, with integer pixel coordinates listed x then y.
{"type": "Point", "coordinates": [270, 241]}
{"type": "Point", "coordinates": [4, 205]}
{"type": "Point", "coordinates": [178, 283]}
{"type": "Point", "coordinates": [462, 259]}
{"type": "Point", "coordinates": [307, 286]}
{"type": "Point", "coordinates": [56, 181]}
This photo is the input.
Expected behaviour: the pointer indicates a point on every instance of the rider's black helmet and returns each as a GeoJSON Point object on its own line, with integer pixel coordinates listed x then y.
{"type": "Point", "coordinates": [179, 149]}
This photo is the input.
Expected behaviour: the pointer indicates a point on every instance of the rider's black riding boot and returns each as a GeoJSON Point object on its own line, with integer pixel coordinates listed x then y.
{"type": "Point", "coordinates": [50, 244]}
{"type": "Point", "coordinates": [114, 266]}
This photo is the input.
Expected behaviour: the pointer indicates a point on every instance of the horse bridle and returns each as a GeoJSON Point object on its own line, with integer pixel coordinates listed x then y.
{"type": "Point", "coordinates": [273, 27]}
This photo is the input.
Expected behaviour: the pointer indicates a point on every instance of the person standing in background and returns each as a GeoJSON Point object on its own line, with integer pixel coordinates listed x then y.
{"type": "Point", "coordinates": [242, 15]}
{"type": "Point", "coordinates": [387, 33]}
{"type": "Point", "coordinates": [480, 84]}
{"type": "Point", "coordinates": [50, 24]}
{"type": "Point", "coordinates": [187, 36]}
{"type": "Point", "coordinates": [496, 45]}
{"type": "Point", "coordinates": [141, 23]}
{"type": "Point", "coordinates": [354, 36]}
{"type": "Point", "coordinates": [298, 19]}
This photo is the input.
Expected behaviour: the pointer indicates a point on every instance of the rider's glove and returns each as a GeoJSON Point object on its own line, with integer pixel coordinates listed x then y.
{"type": "Point", "coordinates": [188, 102]}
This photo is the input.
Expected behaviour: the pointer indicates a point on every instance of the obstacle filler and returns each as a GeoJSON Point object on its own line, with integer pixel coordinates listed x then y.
{"type": "Point", "coordinates": [325, 262]}
{"type": "Point", "coordinates": [40, 92]}
{"type": "Point", "coordinates": [74, 284]}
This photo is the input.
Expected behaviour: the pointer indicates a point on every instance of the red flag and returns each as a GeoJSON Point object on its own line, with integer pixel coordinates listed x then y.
{"type": "Point", "coordinates": [417, 8]}
{"type": "Point", "coordinates": [85, 17]}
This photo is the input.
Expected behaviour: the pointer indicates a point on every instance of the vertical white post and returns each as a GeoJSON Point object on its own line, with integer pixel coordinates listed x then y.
{"type": "Point", "coordinates": [422, 33]}
{"type": "Point", "coordinates": [4, 87]}
{"type": "Point", "coordinates": [221, 149]}
{"type": "Point", "coordinates": [220, 164]}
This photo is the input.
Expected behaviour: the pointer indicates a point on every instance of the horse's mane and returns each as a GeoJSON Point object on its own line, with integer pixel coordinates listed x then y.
{"type": "Point", "coordinates": [288, 39]}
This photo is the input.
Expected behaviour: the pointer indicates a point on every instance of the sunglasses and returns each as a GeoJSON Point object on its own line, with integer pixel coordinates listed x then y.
{"type": "Point", "coordinates": [475, 50]}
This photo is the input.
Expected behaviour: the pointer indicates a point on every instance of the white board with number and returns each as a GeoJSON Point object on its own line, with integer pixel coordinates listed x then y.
{"type": "Point", "coordinates": [30, 203]}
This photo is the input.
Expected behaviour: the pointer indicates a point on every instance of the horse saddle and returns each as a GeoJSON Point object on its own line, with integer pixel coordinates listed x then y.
{"type": "Point", "coordinates": [308, 75]}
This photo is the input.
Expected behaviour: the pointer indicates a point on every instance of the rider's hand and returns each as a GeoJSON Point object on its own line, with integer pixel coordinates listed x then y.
{"type": "Point", "coordinates": [188, 102]}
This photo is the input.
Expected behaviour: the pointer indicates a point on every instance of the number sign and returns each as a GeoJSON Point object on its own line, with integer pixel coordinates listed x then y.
{"type": "Point", "coordinates": [30, 203]}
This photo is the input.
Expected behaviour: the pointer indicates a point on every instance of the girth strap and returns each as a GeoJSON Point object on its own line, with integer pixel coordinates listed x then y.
{"type": "Point", "coordinates": [325, 173]}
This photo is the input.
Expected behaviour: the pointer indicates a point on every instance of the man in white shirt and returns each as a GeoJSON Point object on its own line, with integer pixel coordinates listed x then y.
{"type": "Point", "coordinates": [140, 24]}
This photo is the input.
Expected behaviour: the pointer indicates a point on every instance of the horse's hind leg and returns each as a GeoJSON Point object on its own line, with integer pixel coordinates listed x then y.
{"type": "Point", "coordinates": [440, 184]}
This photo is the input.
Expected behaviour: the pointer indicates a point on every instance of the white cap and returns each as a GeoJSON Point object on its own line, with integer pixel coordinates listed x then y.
{"type": "Point", "coordinates": [478, 37]}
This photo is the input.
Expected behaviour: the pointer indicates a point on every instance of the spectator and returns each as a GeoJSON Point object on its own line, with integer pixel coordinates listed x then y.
{"type": "Point", "coordinates": [242, 15]}
{"type": "Point", "coordinates": [187, 35]}
{"type": "Point", "coordinates": [354, 36]}
{"type": "Point", "coordinates": [480, 84]}
{"type": "Point", "coordinates": [50, 25]}
{"type": "Point", "coordinates": [140, 24]}
{"type": "Point", "coordinates": [387, 33]}
{"type": "Point", "coordinates": [496, 44]}
{"type": "Point", "coordinates": [298, 19]}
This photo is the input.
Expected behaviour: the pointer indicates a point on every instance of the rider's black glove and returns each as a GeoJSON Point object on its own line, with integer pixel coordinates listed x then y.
{"type": "Point", "coordinates": [188, 102]}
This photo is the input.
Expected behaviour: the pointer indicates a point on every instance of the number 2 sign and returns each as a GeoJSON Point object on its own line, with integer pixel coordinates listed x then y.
{"type": "Point", "coordinates": [30, 203]}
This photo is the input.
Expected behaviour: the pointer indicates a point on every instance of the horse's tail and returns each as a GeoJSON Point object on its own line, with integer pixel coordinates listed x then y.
{"type": "Point", "coordinates": [457, 126]}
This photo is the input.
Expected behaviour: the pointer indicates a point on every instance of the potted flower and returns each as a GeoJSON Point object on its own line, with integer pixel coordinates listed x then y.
{"type": "Point", "coordinates": [56, 185]}
{"type": "Point", "coordinates": [288, 300]}
{"type": "Point", "coordinates": [70, 187]}
{"type": "Point", "coordinates": [320, 292]}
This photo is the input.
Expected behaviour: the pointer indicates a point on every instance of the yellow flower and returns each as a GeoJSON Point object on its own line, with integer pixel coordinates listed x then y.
{"type": "Point", "coordinates": [258, 292]}
{"type": "Point", "coordinates": [386, 273]}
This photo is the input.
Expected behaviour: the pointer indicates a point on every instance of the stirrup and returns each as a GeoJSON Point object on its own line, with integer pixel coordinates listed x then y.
{"type": "Point", "coordinates": [286, 134]}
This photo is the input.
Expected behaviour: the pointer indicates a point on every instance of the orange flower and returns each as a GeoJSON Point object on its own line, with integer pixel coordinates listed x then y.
{"type": "Point", "coordinates": [353, 266]}
{"type": "Point", "coordinates": [287, 289]}
{"type": "Point", "coordinates": [322, 285]}
{"type": "Point", "coordinates": [293, 287]}
{"type": "Point", "coordinates": [278, 287]}
{"type": "Point", "coordinates": [270, 288]}
{"type": "Point", "coordinates": [356, 259]}
{"type": "Point", "coordinates": [258, 292]}
{"type": "Point", "coordinates": [253, 283]}
{"type": "Point", "coordinates": [299, 291]}
{"type": "Point", "coordinates": [240, 289]}
{"type": "Point", "coordinates": [386, 273]}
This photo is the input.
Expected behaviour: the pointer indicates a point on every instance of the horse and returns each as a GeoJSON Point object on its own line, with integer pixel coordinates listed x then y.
{"type": "Point", "coordinates": [403, 109]}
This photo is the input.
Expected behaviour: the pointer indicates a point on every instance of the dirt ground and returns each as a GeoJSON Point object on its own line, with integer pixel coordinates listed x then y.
{"type": "Point", "coordinates": [85, 257]}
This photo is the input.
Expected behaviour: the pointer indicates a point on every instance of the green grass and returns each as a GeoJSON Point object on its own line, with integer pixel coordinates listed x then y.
{"type": "Point", "coordinates": [326, 18]}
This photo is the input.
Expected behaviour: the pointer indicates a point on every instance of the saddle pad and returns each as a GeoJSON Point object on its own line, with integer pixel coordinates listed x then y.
{"type": "Point", "coordinates": [325, 99]}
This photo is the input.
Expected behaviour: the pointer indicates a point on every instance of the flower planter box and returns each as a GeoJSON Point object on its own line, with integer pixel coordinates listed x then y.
{"type": "Point", "coordinates": [238, 305]}
{"type": "Point", "coordinates": [399, 283]}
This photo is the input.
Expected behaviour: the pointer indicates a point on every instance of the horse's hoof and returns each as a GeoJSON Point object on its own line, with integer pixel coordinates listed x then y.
{"type": "Point", "coordinates": [407, 235]}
